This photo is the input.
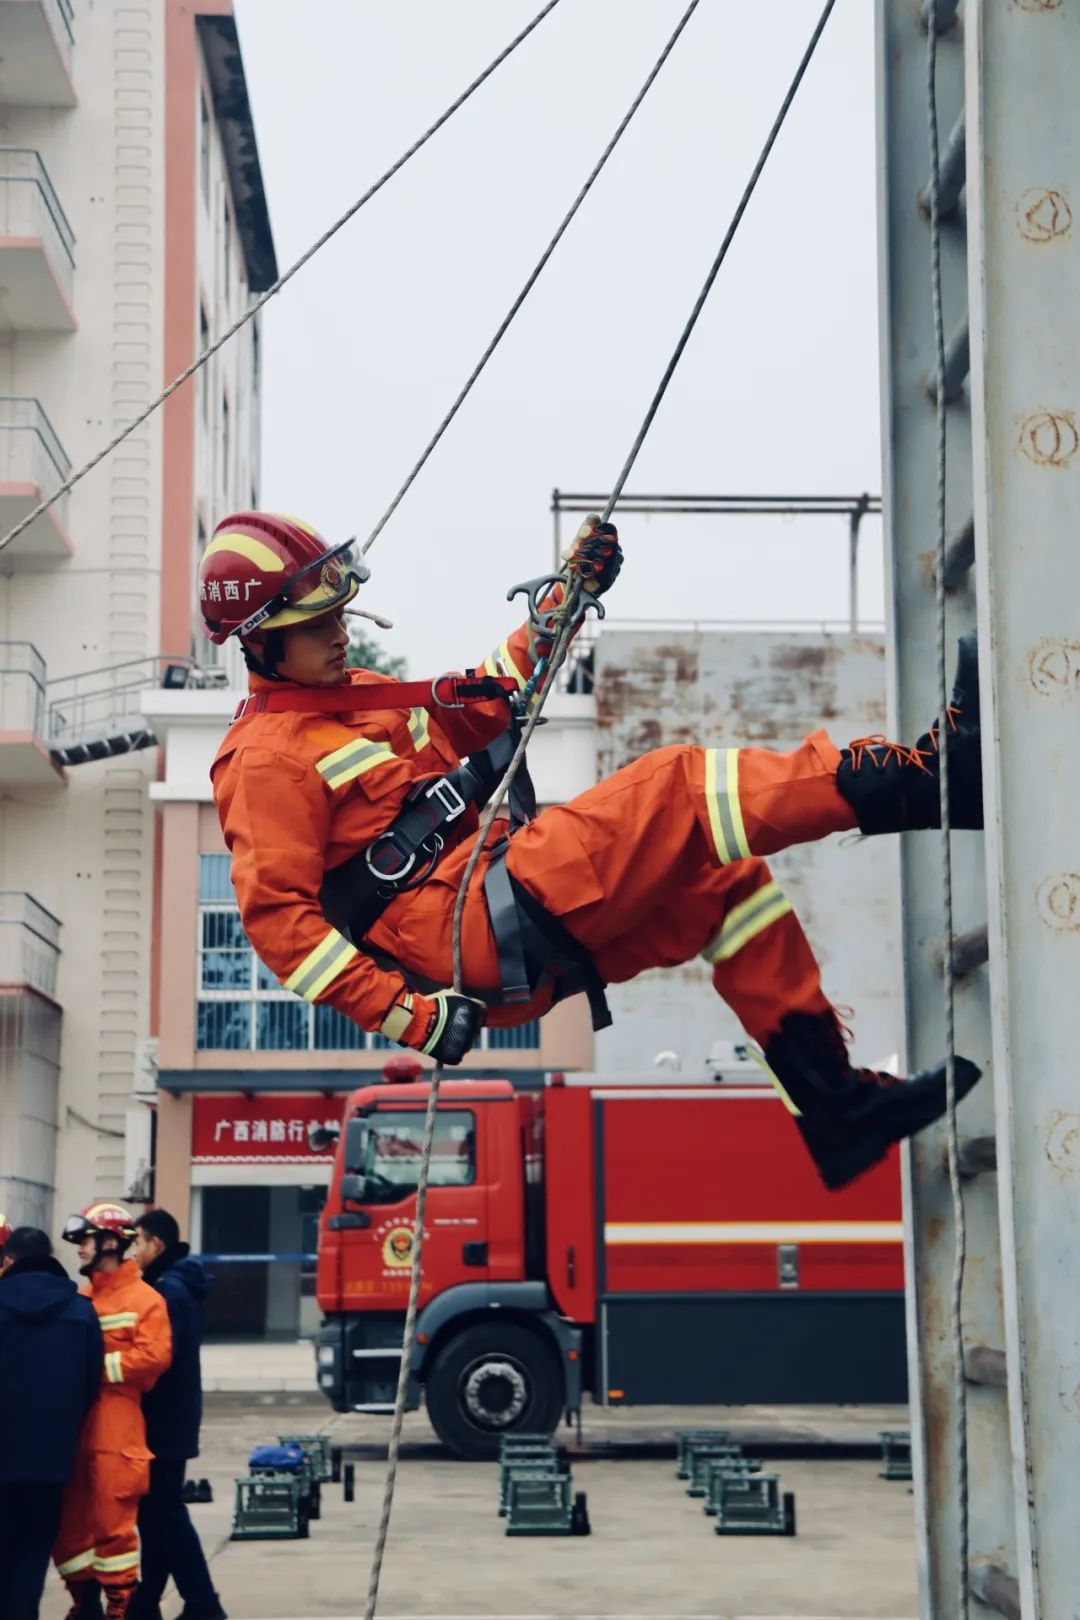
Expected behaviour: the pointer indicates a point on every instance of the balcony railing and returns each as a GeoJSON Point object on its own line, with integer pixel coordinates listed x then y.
{"type": "Point", "coordinates": [30, 208]}
{"type": "Point", "coordinates": [66, 12]}
{"type": "Point", "coordinates": [22, 688]}
{"type": "Point", "coordinates": [98, 712]}
{"type": "Point", "coordinates": [30, 452]}
{"type": "Point", "coordinates": [29, 943]}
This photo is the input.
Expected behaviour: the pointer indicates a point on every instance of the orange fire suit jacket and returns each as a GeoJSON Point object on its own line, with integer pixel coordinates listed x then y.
{"type": "Point", "coordinates": [298, 793]}
{"type": "Point", "coordinates": [138, 1349]}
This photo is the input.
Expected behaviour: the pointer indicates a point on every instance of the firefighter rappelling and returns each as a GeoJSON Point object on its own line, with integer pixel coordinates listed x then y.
{"type": "Point", "coordinates": [654, 866]}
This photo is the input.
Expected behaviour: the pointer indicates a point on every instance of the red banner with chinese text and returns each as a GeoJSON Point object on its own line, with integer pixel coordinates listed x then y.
{"type": "Point", "coordinates": [259, 1130]}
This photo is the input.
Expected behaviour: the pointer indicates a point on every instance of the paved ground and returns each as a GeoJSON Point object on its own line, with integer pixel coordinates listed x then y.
{"type": "Point", "coordinates": [652, 1553]}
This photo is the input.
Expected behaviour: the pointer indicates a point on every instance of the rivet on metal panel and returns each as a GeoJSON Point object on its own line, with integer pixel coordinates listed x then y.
{"type": "Point", "coordinates": [1069, 1389]}
{"type": "Point", "coordinates": [1043, 215]}
{"type": "Point", "coordinates": [1054, 667]}
{"type": "Point", "coordinates": [1058, 902]}
{"type": "Point", "coordinates": [1049, 438]}
{"type": "Point", "coordinates": [1063, 1143]}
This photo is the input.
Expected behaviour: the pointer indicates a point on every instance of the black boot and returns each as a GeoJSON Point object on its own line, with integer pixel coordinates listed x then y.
{"type": "Point", "coordinates": [849, 1118]}
{"type": "Point", "coordinates": [85, 1600]}
{"type": "Point", "coordinates": [896, 789]}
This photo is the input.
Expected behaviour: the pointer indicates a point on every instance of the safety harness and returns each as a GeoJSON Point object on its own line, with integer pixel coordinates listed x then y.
{"type": "Point", "coordinates": [534, 949]}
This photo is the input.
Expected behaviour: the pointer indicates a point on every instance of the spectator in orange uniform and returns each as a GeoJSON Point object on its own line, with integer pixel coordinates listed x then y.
{"type": "Point", "coordinates": [97, 1546]}
{"type": "Point", "coordinates": [349, 816]}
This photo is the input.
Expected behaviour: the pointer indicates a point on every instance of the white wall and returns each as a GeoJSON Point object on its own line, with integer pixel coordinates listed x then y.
{"type": "Point", "coordinates": [744, 688]}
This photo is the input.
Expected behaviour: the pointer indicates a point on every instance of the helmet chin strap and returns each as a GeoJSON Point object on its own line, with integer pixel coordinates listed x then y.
{"type": "Point", "coordinates": [119, 1249]}
{"type": "Point", "coordinates": [266, 666]}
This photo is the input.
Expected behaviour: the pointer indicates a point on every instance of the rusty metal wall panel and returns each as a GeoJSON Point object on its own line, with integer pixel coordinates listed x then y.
{"type": "Point", "coordinates": [1023, 62]}
{"type": "Point", "coordinates": [656, 687]}
{"type": "Point", "coordinates": [909, 493]}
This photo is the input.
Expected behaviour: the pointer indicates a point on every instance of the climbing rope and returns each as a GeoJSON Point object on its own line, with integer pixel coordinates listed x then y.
{"type": "Point", "coordinates": [567, 621]}
{"type": "Point", "coordinates": [531, 282]}
{"type": "Point", "coordinates": [948, 975]}
{"type": "Point", "coordinates": [249, 314]}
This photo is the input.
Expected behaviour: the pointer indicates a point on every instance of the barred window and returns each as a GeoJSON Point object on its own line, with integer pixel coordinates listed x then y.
{"type": "Point", "coordinates": [242, 1007]}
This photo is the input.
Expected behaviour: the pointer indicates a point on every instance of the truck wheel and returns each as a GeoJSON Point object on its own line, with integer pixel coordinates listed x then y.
{"type": "Point", "coordinates": [491, 1380]}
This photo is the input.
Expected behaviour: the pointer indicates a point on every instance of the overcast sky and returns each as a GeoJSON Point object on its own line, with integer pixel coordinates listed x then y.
{"type": "Point", "coordinates": [365, 350]}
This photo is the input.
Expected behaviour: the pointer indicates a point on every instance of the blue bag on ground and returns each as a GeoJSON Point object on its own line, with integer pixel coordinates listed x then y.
{"type": "Point", "coordinates": [282, 1459]}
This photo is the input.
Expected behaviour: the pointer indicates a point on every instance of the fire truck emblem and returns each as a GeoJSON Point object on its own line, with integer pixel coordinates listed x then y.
{"type": "Point", "coordinates": [397, 1249]}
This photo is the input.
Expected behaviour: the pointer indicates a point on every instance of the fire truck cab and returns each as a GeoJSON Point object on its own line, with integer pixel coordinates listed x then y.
{"type": "Point", "coordinates": [635, 1240]}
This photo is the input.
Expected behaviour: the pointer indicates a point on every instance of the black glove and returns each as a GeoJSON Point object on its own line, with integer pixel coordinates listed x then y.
{"type": "Point", "coordinates": [596, 555]}
{"type": "Point", "coordinates": [456, 1023]}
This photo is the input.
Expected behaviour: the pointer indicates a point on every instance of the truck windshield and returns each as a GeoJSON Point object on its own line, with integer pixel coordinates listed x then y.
{"type": "Point", "coordinates": [385, 1148]}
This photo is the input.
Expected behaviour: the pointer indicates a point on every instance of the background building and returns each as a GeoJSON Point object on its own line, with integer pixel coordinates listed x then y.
{"type": "Point", "coordinates": [133, 228]}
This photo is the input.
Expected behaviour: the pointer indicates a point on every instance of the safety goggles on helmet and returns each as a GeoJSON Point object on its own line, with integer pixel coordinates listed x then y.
{"type": "Point", "coordinates": [333, 586]}
{"type": "Point", "coordinates": [104, 1220]}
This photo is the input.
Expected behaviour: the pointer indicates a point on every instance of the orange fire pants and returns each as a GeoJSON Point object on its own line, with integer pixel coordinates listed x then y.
{"type": "Point", "coordinates": [98, 1539]}
{"type": "Point", "coordinates": [655, 865]}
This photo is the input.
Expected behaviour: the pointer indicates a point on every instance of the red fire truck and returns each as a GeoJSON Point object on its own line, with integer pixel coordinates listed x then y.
{"type": "Point", "coordinates": [635, 1240]}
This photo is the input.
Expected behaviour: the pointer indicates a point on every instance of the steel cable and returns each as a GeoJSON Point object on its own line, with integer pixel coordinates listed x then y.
{"type": "Point", "coordinates": [556, 658]}
{"type": "Point", "coordinates": [264, 298]}
{"type": "Point", "coordinates": [531, 282]}
{"type": "Point", "coordinates": [956, 1313]}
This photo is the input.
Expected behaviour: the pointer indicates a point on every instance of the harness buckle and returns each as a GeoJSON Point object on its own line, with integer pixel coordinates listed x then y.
{"type": "Point", "coordinates": [448, 796]}
{"type": "Point", "coordinates": [375, 852]}
{"type": "Point", "coordinates": [442, 702]}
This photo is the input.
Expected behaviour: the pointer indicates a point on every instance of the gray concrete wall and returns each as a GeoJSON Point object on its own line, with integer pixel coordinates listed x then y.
{"type": "Point", "coordinates": [742, 688]}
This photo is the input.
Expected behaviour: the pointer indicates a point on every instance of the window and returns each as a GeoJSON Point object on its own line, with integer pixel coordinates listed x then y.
{"type": "Point", "coordinates": [204, 149]}
{"type": "Point", "coordinates": [242, 1007]}
{"type": "Point", "coordinates": [386, 1147]}
{"type": "Point", "coordinates": [204, 371]}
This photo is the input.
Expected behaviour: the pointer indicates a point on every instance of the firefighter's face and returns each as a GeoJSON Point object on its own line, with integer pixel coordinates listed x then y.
{"type": "Point", "coordinates": [314, 654]}
{"type": "Point", "coordinates": [87, 1251]}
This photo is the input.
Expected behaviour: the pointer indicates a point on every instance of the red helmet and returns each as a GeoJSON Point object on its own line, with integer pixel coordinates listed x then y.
{"type": "Point", "coordinates": [5, 1233]}
{"type": "Point", "coordinates": [266, 571]}
{"type": "Point", "coordinates": [101, 1220]}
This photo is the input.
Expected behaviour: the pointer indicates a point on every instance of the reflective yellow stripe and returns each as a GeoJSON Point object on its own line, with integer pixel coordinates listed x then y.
{"type": "Point", "coordinates": [321, 966]}
{"type": "Point", "coordinates": [114, 1367]}
{"type": "Point", "coordinates": [722, 799]}
{"type": "Point", "coordinates": [397, 1020]}
{"type": "Point", "coordinates": [503, 658]}
{"type": "Point", "coordinates": [752, 1051]}
{"type": "Point", "coordinates": [72, 1566]}
{"type": "Point", "coordinates": [488, 666]}
{"type": "Point", "coordinates": [418, 729]}
{"type": "Point", "coordinates": [746, 920]}
{"type": "Point", "coordinates": [122, 1319]}
{"type": "Point", "coordinates": [354, 759]}
{"type": "Point", "coordinates": [440, 1023]}
{"type": "Point", "coordinates": [113, 1566]}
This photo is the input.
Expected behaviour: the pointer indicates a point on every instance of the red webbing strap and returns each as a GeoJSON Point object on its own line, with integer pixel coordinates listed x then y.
{"type": "Point", "coordinates": [444, 692]}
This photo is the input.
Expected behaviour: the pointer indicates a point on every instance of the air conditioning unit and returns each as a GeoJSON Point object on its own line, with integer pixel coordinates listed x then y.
{"type": "Point", "coordinates": [144, 1082]}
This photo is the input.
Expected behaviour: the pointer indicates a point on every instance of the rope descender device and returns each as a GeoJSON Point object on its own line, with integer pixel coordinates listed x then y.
{"type": "Point", "coordinates": [548, 617]}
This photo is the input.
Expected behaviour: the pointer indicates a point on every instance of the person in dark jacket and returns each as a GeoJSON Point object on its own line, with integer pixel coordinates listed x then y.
{"type": "Point", "coordinates": [173, 1413]}
{"type": "Point", "coordinates": [51, 1360]}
